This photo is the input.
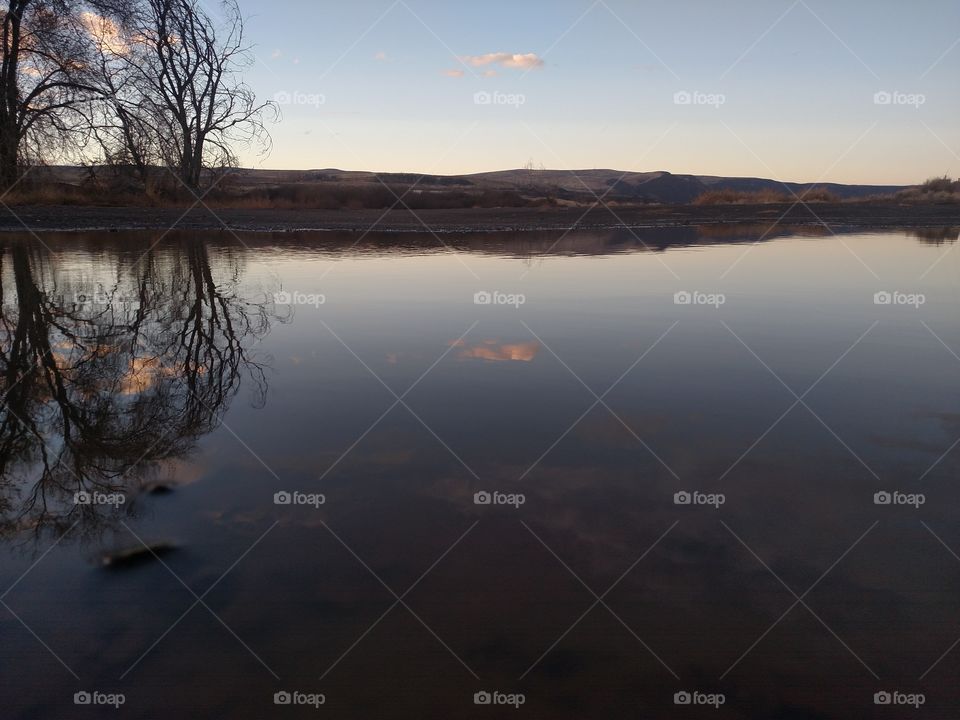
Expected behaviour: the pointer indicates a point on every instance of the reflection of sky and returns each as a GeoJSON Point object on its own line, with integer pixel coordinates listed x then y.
{"type": "Point", "coordinates": [598, 498]}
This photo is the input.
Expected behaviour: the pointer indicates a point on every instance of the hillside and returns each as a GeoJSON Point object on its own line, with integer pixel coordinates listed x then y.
{"type": "Point", "coordinates": [332, 188]}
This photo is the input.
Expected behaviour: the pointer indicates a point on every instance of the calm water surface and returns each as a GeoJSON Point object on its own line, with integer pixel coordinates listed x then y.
{"type": "Point", "coordinates": [203, 380]}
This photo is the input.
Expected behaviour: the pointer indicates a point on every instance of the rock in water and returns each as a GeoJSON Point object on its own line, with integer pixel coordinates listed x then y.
{"type": "Point", "coordinates": [136, 555]}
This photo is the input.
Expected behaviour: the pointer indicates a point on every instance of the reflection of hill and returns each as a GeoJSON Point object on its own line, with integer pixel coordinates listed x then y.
{"type": "Point", "coordinates": [128, 245]}
{"type": "Point", "coordinates": [109, 367]}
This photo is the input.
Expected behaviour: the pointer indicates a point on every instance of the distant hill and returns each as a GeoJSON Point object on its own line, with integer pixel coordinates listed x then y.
{"type": "Point", "coordinates": [503, 187]}
{"type": "Point", "coordinates": [661, 186]}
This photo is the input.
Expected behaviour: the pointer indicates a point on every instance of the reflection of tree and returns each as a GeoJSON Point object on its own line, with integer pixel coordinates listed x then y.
{"type": "Point", "coordinates": [101, 381]}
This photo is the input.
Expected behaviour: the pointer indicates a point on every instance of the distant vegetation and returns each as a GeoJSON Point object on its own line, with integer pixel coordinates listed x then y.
{"type": "Point", "coordinates": [763, 197]}
{"type": "Point", "coordinates": [940, 190]}
{"type": "Point", "coordinates": [291, 196]}
{"type": "Point", "coordinates": [371, 196]}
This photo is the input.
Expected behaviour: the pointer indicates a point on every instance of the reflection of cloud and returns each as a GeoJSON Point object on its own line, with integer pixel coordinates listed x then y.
{"type": "Point", "coordinates": [453, 73]}
{"type": "Point", "coordinates": [143, 374]}
{"type": "Point", "coordinates": [497, 352]}
{"type": "Point", "coordinates": [507, 60]}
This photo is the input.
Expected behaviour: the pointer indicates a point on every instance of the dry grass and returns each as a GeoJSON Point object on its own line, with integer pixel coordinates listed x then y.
{"type": "Point", "coordinates": [937, 191]}
{"type": "Point", "coordinates": [763, 197]}
{"type": "Point", "coordinates": [300, 196]}
{"type": "Point", "coordinates": [740, 197]}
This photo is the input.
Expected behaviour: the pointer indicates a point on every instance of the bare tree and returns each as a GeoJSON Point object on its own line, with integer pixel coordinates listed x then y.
{"type": "Point", "coordinates": [172, 77]}
{"type": "Point", "coordinates": [43, 81]}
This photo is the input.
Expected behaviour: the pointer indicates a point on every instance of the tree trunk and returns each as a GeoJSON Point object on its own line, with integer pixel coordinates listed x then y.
{"type": "Point", "coordinates": [9, 144]}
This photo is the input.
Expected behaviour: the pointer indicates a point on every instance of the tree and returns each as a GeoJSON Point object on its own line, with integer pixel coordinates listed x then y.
{"type": "Point", "coordinates": [172, 78]}
{"type": "Point", "coordinates": [43, 82]}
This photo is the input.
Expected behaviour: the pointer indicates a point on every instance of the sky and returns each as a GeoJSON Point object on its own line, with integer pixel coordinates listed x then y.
{"type": "Point", "coordinates": [802, 90]}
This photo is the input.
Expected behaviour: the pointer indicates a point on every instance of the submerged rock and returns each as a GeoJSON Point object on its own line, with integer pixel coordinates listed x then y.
{"type": "Point", "coordinates": [135, 555]}
{"type": "Point", "coordinates": [158, 489]}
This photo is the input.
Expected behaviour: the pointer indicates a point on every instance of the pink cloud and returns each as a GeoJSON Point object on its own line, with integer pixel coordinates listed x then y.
{"type": "Point", "coordinates": [453, 73]}
{"type": "Point", "coordinates": [507, 60]}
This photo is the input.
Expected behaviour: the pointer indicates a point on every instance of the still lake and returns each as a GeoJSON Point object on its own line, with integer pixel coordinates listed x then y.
{"type": "Point", "coordinates": [587, 472]}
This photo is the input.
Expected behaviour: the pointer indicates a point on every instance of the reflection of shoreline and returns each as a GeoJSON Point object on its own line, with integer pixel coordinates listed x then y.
{"type": "Point", "coordinates": [862, 215]}
{"type": "Point", "coordinates": [496, 352]}
{"type": "Point", "coordinates": [495, 242]}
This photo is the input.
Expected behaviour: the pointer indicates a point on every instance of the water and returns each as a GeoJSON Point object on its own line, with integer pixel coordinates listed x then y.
{"type": "Point", "coordinates": [383, 399]}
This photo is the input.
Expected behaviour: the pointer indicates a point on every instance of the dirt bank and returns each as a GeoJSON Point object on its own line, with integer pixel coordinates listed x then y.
{"type": "Point", "coordinates": [839, 217]}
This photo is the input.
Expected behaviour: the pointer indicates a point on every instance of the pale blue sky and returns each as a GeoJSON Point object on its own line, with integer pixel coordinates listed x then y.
{"type": "Point", "coordinates": [374, 86]}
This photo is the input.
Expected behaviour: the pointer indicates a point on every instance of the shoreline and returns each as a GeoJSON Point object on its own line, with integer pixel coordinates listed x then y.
{"type": "Point", "coordinates": [837, 217]}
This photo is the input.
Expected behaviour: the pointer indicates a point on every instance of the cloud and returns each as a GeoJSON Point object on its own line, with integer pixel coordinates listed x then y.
{"type": "Point", "coordinates": [507, 60]}
{"type": "Point", "coordinates": [276, 54]}
{"type": "Point", "coordinates": [105, 33]}
{"type": "Point", "coordinates": [380, 56]}
{"type": "Point", "coordinates": [453, 73]}
{"type": "Point", "coordinates": [489, 73]}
